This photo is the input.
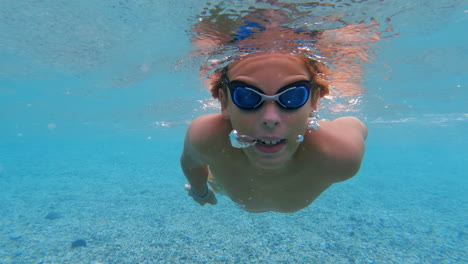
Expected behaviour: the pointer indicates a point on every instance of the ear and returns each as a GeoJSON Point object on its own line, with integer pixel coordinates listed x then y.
{"type": "Point", "coordinates": [314, 100]}
{"type": "Point", "coordinates": [223, 99]}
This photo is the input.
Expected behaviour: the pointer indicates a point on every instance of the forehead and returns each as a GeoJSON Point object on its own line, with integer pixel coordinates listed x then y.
{"type": "Point", "coordinates": [268, 66]}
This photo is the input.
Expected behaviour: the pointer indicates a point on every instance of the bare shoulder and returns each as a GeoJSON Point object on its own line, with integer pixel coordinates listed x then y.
{"type": "Point", "coordinates": [341, 143]}
{"type": "Point", "coordinates": [349, 124]}
{"type": "Point", "coordinates": [207, 130]}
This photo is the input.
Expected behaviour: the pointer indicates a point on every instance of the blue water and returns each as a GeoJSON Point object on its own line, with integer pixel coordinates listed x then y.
{"type": "Point", "coordinates": [95, 136]}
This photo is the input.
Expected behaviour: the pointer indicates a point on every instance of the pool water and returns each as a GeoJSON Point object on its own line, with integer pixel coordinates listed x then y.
{"type": "Point", "coordinates": [92, 126]}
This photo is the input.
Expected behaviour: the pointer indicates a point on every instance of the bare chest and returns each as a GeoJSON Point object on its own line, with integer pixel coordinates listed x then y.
{"type": "Point", "coordinates": [261, 190]}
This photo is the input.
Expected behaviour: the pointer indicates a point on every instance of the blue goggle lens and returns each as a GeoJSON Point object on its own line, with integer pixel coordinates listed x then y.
{"type": "Point", "coordinates": [245, 99]}
{"type": "Point", "coordinates": [295, 98]}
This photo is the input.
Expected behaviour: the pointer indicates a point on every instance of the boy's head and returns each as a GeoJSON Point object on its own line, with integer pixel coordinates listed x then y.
{"type": "Point", "coordinates": [269, 96]}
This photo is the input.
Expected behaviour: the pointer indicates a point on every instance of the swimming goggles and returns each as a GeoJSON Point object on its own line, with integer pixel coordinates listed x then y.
{"type": "Point", "coordinates": [248, 97]}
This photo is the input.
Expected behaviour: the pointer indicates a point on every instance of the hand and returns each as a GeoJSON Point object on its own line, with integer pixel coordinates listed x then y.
{"type": "Point", "coordinates": [210, 197]}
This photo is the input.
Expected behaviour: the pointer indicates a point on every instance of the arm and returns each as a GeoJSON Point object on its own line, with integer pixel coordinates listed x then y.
{"type": "Point", "coordinates": [195, 167]}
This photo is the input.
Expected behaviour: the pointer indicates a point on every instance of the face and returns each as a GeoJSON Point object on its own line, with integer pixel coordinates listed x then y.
{"type": "Point", "coordinates": [276, 127]}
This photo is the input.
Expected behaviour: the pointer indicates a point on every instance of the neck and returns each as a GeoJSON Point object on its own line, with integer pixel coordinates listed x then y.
{"type": "Point", "coordinates": [272, 172]}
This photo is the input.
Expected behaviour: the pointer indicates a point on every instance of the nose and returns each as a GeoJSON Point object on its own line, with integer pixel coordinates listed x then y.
{"type": "Point", "coordinates": [270, 115]}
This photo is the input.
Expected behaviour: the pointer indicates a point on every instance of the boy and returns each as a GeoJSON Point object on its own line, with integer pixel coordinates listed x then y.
{"type": "Point", "coordinates": [277, 172]}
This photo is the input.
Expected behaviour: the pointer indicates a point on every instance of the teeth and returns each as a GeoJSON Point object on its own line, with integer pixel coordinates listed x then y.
{"type": "Point", "coordinates": [271, 142]}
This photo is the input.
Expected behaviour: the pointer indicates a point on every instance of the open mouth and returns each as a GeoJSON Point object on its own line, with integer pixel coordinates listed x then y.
{"type": "Point", "coordinates": [270, 146]}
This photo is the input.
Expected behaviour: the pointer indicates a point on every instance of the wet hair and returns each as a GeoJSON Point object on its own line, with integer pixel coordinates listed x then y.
{"type": "Point", "coordinates": [333, 50]}
{"type": "Point", "coordinates": [318, 70]}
